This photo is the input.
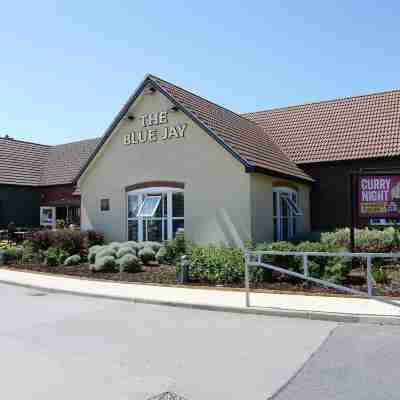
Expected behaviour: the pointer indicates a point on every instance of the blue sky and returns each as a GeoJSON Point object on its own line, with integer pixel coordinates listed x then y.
{"type": "Point", "coordinates": [67, 67]}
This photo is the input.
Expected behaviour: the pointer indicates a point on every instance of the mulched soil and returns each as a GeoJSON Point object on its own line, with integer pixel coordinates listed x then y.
{"type": "Point", "coordinates": [166, 275]}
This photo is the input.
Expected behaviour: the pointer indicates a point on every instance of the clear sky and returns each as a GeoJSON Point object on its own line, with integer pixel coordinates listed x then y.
{"type": "Point", "coordinates": [66, 67]}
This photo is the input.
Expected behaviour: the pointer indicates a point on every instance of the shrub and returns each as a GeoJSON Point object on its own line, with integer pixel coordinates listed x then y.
{"type": "Point", "coordinates": [380, 275]}
{"type": "Point", "coordinates": [146, 255]}
{"type": "Point", "coordinates": [52, 256]}
{"type": "Point", "coordinates": [106, 251]}
{"type": "Point", "coordinates": [71, 241]}
{"type": "Point", "coordinates": [11, 255]}
{"type": "Point", "coordinates": [161, 255]}
{"type": "Point", "coordinates": [366, 240]}
{"type": "Point", "coordinates": [129, 263]}
{"type": "Point", "coordinates": [73, 260]}
{"type": "Point", "coordinates": [125, 250]}
{"type": "Point", "coordinates": [218, 265]}
{"type": "Point", "coordinates": [92, 253]}
{"type": "Point", "coordinates": [29, 255]}
{"type": "Point", "coordinates": [94, 238]}
{"type": "Point", "coordinates": [155, 246]}
{"type": "Point", "coordinates": [105, 264]}
{"type": "Point", "coordinates": [174, 250]}
{"type": "Point", "coordinates": [115, 246]}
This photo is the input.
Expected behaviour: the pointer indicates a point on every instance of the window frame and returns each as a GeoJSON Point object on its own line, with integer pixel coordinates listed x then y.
{"type": "Point", "coordinates": [289, 222]}
{"type": "Point", "coordinates": [108, 204]}
{"type": "Point", "coordinates": [166, 221]}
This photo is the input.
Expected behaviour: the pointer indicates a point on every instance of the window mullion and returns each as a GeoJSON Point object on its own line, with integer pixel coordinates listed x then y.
{"type": "Point", "coordinates": [169, 215]}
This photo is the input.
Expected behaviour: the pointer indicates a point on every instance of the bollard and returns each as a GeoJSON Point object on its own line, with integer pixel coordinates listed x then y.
{"type": "Point", "coordinates": [183, 272]}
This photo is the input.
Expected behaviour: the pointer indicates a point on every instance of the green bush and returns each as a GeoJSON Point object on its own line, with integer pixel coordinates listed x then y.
{"type": "Point", "coordinates": [52, 256]}
{"type": "Point", "coordinates": [216, 264]}
{"type": "Point", "coordinates": [12, 255]}
{"type": "Point", "coordinates": [132, 244]}
{"type": "Point", "coordinates": [29, 255]}
{"type": "Point", "coordinates": [106, 251]}
{"type": "Point", "coordinates": [105, 264]}
{"type": "Point", "coordinates": [115, 246]}
{"type": "Point", "coordinates": [92, 253]}
{"type": "Point", "coordinates": [129, 263]}
{"type": "Point", "coordinates": [161, 255]}
{"type": "Point", "coordinates": [366, 240]}
{"type": "Point", "coordinates": [73, 260]}
{"type": "Point", "coordinates": [125, 250]}
{"type": "Point", "coordinates": [146, 255]}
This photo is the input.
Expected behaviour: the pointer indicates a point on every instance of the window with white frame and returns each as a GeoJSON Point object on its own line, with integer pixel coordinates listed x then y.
{"type": "Point", "coordinates": [155, 213]}
{"type": "Point", "coordinates": [286, 213]}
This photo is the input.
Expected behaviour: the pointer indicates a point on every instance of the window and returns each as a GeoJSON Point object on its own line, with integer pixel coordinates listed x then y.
{"type": "Point", "coordinates": [104, 204]}
{"type": "Point", "coordinates": [286, 213]}
{"type": "Point", "coordinates": [149, 206]}
{"type": "Point", "coordinates": [155, 213]}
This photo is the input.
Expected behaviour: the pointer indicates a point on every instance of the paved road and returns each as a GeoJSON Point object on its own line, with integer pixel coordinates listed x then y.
{"type": "Point", "coordinates": [67, 347]}
{"type": "Point", "coordinates": [357, 362]}
{"type": "Point", "coordinates": [59, 346]}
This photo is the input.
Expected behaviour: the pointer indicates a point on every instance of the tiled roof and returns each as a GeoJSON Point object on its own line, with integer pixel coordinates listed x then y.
{"type": "Point", "coordinates": [344, 129]}
{"type": "Point", "coordinates": [31, 164]}
{"type": "Point", "coordinates": [65, 161]}
{"type": "Point", "coordinates": [21, 162]}
{"type": "Point", "coordinates": [245, 138]}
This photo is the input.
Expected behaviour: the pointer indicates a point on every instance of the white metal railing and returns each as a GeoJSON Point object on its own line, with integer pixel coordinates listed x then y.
{"type": "Point", "coordinates": [255, 259]}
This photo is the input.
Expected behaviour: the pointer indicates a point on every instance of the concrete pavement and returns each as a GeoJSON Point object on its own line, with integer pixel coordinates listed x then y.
{"type": "Point", "coordinates": [56, 346]}
{"type": "Point", "coordinates": [313, 307]}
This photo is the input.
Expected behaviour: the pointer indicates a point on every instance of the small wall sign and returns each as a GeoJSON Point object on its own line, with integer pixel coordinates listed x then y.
{"type": "Point", "coordinates": [152, 130]}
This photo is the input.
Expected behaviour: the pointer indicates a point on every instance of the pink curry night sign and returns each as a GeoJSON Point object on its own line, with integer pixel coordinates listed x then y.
{"type": "Point", "coordinates": [379, 196]}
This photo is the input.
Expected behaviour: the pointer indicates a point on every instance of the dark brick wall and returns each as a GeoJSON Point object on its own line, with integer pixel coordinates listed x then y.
{"type": "Point", "coordinates": [58, 195]}
{"type": "Point", "coordinates": [330, 195]}
{"type": "Point", "coordinates": [20, 205]}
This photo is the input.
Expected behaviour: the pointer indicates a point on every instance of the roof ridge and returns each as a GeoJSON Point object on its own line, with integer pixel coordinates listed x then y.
{"type": "Point", "coordinates": [322, 101]}
{"type": "Point", "coordinates": [10, 139]}
{"type": "Point", "coordinates": [76, 141]}
{"type": "Point", "coordinates": [150, 76]}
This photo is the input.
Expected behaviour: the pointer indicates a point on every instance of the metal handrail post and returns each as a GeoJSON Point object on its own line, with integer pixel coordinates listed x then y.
{"type": "Point", "coordinates": [369, 275]}
{"type": "Point", "coordinates": [305, 265]}
{"type": "Point", "coordinates": [247, 278]}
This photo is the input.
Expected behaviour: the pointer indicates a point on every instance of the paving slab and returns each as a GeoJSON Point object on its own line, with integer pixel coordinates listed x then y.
{"type": "Point", "coordinates": [345, 309]}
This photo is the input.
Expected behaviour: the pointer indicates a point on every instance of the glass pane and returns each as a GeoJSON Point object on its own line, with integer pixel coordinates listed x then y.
{"type": "Point", "coordinates": [275, 229]}
{"type": "Point", "coordinates": [133, 230]}
{"type": "Point", "coordinates": [161, 210]}
{"type": "Point", "coordinates": [133, 205]}
{"type": "Point", "coordinates": [292, 206]}
{"type": "Point", "coordinates": [149, 206]}
{"type": "Point", "coordinates": [178, 204]}
{"type": "Point", "coordinates": [275, 195]}
{"type": "Point", "coordinates": [284, 227]}
{"type": "Point", "coordinates": [176, 224]}
{"type": "Point", "coordinates": [284, 207]}
{"type": "Point", "coordinates": [154, 230]}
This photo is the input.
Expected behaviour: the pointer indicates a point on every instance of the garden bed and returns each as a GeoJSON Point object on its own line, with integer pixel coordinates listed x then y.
{"type": "Point", "coordinates": [166, 275]}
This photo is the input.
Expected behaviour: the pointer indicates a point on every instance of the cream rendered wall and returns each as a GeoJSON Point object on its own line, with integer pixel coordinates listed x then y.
{"type": "Point", "coordinates": [217, 190]}
{"type": "Point", "coordinates": [261, 195]}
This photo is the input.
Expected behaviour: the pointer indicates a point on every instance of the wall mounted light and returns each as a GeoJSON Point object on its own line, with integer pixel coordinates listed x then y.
{"type": "Point", "coordinates": [130, 117]}
{"type": "Point", "coordinates": [174, 109]}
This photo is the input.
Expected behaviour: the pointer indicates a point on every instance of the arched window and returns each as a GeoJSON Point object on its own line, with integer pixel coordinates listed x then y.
{"type": "Point", "coordinates": [155, 213]}
{"type": "Point", "coordinates": [286, 212]}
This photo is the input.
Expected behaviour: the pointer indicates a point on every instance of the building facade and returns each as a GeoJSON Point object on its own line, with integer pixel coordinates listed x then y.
{"type": "Point", "coordinates": [171, 159]}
